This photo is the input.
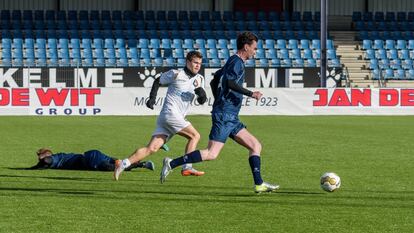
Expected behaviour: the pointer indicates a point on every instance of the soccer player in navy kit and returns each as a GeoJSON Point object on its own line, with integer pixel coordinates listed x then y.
{"type": "Point", "coordinates": [228, 93]}
{"type": "Point", "coordinates": [92, 160]}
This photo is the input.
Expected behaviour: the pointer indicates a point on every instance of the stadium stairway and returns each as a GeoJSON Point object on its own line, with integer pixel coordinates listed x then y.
{"type": "Point", "coordinates": [352, 59]}
{"type": "Point", "coordinates": [349, 50]}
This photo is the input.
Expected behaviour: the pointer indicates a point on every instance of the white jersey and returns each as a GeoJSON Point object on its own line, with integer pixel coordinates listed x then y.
{"type": "Point", "coordinates": [180, 94]}
{"type": "Point", "coordinates": [180, 91]}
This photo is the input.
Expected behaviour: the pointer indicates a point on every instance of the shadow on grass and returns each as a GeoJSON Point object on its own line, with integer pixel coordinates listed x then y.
{"type": "Point", "coordinates": [52, 177]}
{"type": "Point", "coordinates": [211, 197]}
{"type": "Point", "coordinates": [44, 190]}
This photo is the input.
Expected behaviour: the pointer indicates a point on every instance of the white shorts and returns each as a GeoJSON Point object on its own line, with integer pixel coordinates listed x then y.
{"type": "Point", "coordinates": [169, 125]}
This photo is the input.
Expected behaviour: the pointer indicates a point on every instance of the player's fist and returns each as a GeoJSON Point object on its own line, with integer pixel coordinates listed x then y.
{"type": "Point", "coordinates": [201, 95]}
{"type": "Point", "coordinates": [150, 103]}
{"type": "Point", "coordinates": [257, 95]}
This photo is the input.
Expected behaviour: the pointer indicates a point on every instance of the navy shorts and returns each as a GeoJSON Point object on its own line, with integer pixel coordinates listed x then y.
{"type": "Point", "coordinates": [97, 160]}
{"type": "Point", "coordinates": [225, 125]}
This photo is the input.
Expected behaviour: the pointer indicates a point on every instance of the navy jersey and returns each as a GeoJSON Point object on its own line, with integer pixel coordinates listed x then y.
{"type": "Point", "coordinates": [68, 161]}
{"type": "Point", "coordinates": [227, 100]}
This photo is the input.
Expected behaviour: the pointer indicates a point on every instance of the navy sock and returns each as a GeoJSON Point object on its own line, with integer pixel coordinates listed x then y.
{"type": "Point", "coordinates": [192, 157]}
{"type": "Point", "coordinates": [254, 162]}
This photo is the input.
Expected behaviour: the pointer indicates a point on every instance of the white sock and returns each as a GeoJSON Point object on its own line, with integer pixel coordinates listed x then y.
{"type": "Point", "coordinates": [187, 166]}
{"type": "Point", "coordinates": [126, 163]}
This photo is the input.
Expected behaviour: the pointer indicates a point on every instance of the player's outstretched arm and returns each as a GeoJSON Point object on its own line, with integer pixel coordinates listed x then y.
{"type": "Point", "coordinates": [153, 94]}
{"type": "Point", "coordinates": [237, 88]}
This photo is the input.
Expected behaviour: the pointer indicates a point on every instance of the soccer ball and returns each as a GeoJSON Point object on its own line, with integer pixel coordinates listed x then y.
{"type": "Point", "coordinates": [330, 182]}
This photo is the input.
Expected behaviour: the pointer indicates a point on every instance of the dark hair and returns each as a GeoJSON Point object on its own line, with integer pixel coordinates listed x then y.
{"type": "Point", "coordinates": [245, 38]}
{"type": "Point", "coordinates": [193, 54]}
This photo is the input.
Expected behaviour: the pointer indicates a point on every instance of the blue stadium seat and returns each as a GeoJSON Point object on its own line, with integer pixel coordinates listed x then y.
{"type": "Point", "coordinates": [369, 54]}
{"type": "Point", "coordinates": [388, 74]}
{"type": "Point", "coordinates": [177, 43]}
{"type": "Point", "coordinates": [214, 62]}
{"type": "Point", "coordinates": [250, 63]}
{"type": "Point", "coordinates": [304, 44]}
{"type": "Point", "coordinates": [307, 16]}
{"type": "Point", "coordinates": [373, 64]}
{"type": "Point", "coordinates": [275, 62]}
{"type": "Point", "coordinates": [395, 64]}
{"type": "Point", "coordinates": [212, 53]}
{"type": "Point", "coordinates": [378, 44]}
{"type": "Point", "coordinates": [310, 62]}
{"type": "Point", "coordinates": [158, 61]}
{"type": "Point", "coordinates": [205, 16]}
{"type": "Point", "coordinates": [316, 54]}
{"type": "Point", "coordinates": [334, 62]}
{"type": "Point", "coordinates": [298, 62]}
{"type": "Point", "coordinates": [307, 54]}
{"type": "Point", "coordinates": [110, 62]}
{"type": "Point", "coordinates": [376, 74]}
{"type": "Point", "coordinates": [183, 16]}
{"type": "Point", "coordinates": [295, 54]}
{"type": "Point", "coordinates": [211, 43]}
{"type": "Point", "coordinates": [108, 43]}
{"type": "Point", "coordinates": [399, 74]}
{"type": "Point", "coordinates": [273, 16]}
{"type": "Point", "coordinates": [410, 74]}
{"type": "Point", "coordinates": [260, 53]}
{"type": "Point", "coordinates": [261, 16]}
{"type": "Point", "coordinates": [381, 54]}
{"type": "Point", "coordinates": [392, 54]}
{"type": "Point", "coordinates": [379, 16]}
{"type": "Point", "coordinates": [331, 54]}
{"type": "Point", "coordinates": [181, 62]}
{"type": "Point", "coordinates": [293, 44]}
{"type": "Point", "coordinates": [194, 16]}
{"type": "Point", "coordinates": [263, 62]}
{"type": "Point", "coordinates": [410, 45]}
{"type": "Point", "coordinates": [143, 43]}
{"type": "Point", "coordinates": [316, 44]}
{"type": "Point", "coordinates": [283, 54]}
{"type": "Point", "coordinates": [356, 16]}
{"type": "Point", "coordinates": [390, 16]}
{"type": "Point", "coordinates": [223, 54]}
{"type": "Point", "coordinates": [366, 44]}
{"type": "Point", "coordinates": [384, 63]}
{"type": "Point", "coordinates": [170, 61]}
{"type": "Point", "coordinates": [200, 43]}
{"type": "Point", "coordinates": [367, 16]}
{"type": "Point", "coordinates": [269, 43]}
{"type": "Point", "coordinates": [407, 64]}
{"type": "Point", "coordinates": [286, 62]}
{"type": "Point", "coordinates": [154, 43]}
{"type": "Point", "coordinates": [271, 53]}
{"type": "Point", "coordinates": [188, 44]}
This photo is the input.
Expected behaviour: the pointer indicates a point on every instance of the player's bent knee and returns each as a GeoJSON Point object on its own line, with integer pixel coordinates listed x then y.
{"type": "Point", "coordinates": [152, 150]}
{"type": "Point", "coordinates": [257, 148]}
{"type": "Point", "coordinates": [196, 137]}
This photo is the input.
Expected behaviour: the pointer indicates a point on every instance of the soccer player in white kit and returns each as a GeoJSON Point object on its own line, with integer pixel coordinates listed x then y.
{"type": "Point", "coordinates": [183, 86]}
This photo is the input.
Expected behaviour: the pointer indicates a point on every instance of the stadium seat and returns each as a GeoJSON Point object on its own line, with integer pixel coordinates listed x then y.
{"type": "Point", "coordinates": [275, 62]}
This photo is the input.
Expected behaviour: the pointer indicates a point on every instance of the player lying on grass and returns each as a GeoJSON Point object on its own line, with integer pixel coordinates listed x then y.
{"type": "Point", "coordinates": [92, 160]}
{"type": "Point", "coordinates": [228, 91]}
{"type": "Point", "coordinates": [183, 86]}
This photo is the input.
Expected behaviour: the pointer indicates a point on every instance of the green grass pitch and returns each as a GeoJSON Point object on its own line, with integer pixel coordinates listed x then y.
{"type": "Point", "coordinates": [374, 157]}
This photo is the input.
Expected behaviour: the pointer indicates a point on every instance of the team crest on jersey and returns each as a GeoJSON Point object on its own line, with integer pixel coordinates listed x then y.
{"type": "Point", "coordinates": [197, 82]}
